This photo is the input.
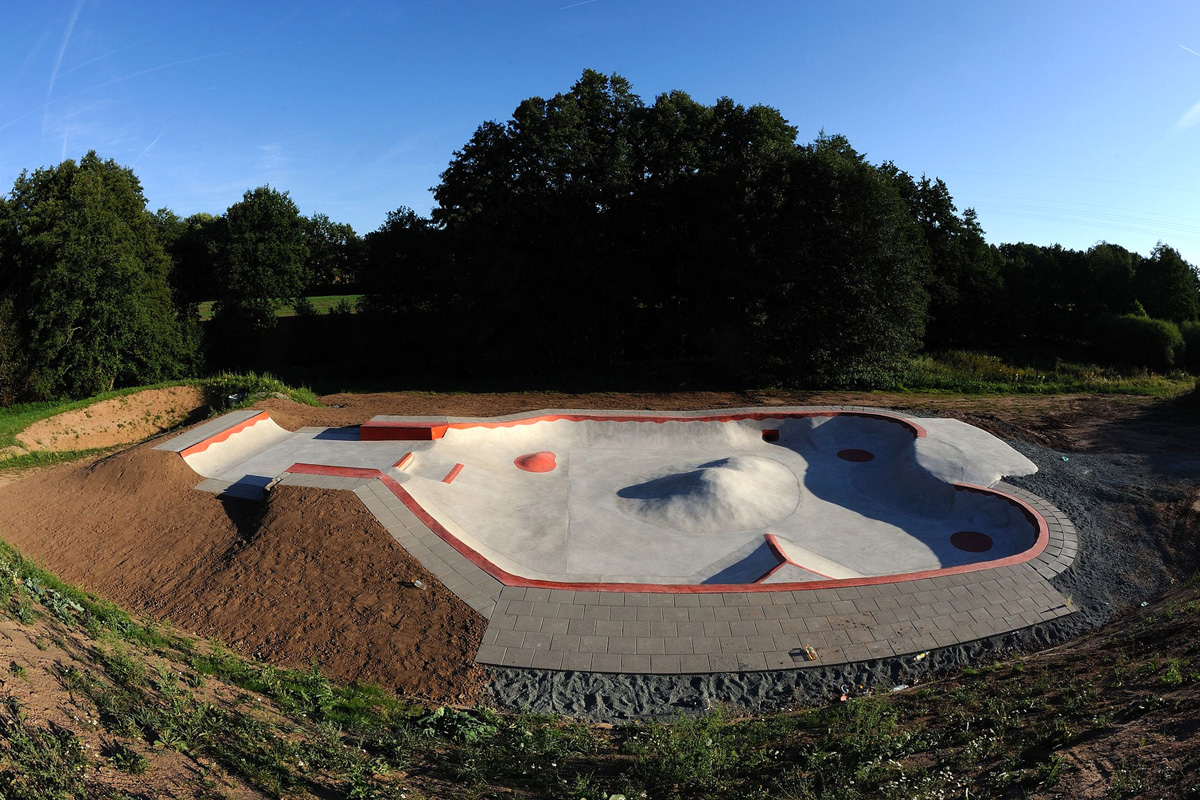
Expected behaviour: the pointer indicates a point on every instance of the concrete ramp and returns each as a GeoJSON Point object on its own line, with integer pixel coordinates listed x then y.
{"type": "Point", "coordinates": [219, 446]}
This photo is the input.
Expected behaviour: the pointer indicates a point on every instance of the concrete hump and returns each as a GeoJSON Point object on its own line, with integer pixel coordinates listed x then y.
{"type": "Point", "coordinates": [226, 441]}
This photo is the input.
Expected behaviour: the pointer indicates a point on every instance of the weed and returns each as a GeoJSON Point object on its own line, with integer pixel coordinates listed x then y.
{"type": "Point", "coordinates": [41, 763]}
{"type": "Point", "coordinates": [126, 759]}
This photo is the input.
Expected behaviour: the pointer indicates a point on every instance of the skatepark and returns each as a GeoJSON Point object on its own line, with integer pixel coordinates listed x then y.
{"type": "Point", "coordinates": [688, 542]}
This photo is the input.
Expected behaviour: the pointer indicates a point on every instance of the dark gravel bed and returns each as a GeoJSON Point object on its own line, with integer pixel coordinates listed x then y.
{"type": "Point", "coordinates": [1132, 547]}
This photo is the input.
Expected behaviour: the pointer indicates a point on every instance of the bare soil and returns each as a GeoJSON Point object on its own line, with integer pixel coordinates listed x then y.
{"type": "Point", "coordinates": [119, 421]}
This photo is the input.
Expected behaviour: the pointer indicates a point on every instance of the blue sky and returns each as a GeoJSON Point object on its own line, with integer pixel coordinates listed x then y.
{"type": "Point", "coordinates": [1068, 122]}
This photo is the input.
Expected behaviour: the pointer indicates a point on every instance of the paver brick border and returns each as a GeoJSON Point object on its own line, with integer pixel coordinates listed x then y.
{"type": "Point", "coordinates": [644, 632]}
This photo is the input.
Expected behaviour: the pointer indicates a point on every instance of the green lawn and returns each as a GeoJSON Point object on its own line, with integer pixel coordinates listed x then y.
{"type": "Point", "coordinates": [322, 303]}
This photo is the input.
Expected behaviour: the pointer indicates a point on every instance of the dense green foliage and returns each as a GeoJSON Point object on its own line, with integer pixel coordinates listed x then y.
{"type": "Point", "coordinates": [591, 234]}
{"type": "Point", "coordinates": [85, 302]}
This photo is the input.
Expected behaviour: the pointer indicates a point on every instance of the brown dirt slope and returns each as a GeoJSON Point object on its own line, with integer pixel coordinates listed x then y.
{"type": "Point", "coordinates": [310, 575]}
{"type": "Point", "coordinates": [119, 421]}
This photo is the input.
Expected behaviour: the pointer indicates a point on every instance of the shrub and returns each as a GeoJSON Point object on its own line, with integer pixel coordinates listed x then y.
{"type": "Point", "coordinates": [1137, 341]}
{"type": "Point", "coordinates": [1191, 339]}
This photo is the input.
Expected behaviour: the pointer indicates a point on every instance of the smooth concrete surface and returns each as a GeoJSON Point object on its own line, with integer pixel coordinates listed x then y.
{"type": "Point", "coordinates": [636, 631]}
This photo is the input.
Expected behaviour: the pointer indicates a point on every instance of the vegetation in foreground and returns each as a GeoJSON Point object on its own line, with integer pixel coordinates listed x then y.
{"type": "Point", "coordinates": [118, 697]}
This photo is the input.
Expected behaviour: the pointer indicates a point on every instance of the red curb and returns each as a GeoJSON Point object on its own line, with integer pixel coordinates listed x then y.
{"type": "Point", "coordinates": [453, 473]}
{"type": "Point", "coordinates": [201, 446]}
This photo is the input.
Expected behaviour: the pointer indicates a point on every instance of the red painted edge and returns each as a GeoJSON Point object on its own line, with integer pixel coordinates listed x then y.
{"type": "Point", "coordinates": [201, 446]}
{"type": "Point", "coordinates": [338, 472]}
{"type": "Point", "coordinates": [369, 429]}
{"type": "Point", "coordinates": [453, 473]}
{"type": "Point", "coordinates": [507, 578]}
{"type": "Point", "coordinates": [404, 459]}
{"type": "Point", "coordinates": [400, 431]}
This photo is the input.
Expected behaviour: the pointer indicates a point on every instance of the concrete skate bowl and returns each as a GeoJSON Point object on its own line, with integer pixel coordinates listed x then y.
{"type": "Point", "coordinates": [708, 503]}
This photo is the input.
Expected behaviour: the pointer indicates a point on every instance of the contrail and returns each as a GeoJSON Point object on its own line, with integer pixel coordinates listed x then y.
{"type": "Point", "coordinates": [1190, 50]}
{"type": "Point", "coordinates": [573, 5]}
{"type": "Point", "coordinates": [147, 150]}
{"type": "Point", "coordinates": [62, 49]}
{"type": "Point", "coordinates": [46, 107]}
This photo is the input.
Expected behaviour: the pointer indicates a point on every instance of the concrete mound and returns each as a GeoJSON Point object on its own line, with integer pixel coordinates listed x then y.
{"type": "Point", "coordinates": [737, 493]}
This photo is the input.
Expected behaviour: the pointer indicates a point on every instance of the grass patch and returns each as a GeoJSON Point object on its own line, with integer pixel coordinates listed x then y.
{"type": "Point", "coordinates": [228, 390]}
{"type": "Point", "coordinates": [968, 372]}
{"type": "Point", "coordinates": [321, 304]}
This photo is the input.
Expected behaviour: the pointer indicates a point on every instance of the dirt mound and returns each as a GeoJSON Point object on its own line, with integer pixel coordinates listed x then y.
{"type": "Point", "coordinates": [110, 423]}
{"type": "Point", "coordinates": [309, 575]}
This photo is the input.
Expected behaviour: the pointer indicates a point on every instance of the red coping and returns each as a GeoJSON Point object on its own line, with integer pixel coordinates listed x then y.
{"type": "Point", "coordinates": [536, 462]}
{"type": "Point", "coordinates": [201, 446]}
{"type": "Point", "coordinates": [508, 579]}
{"type": "Point", "coordinates": [397, 430]}
{"type": "Point", "coordinates": [856, 455]}
{"type": "Point", "coordinates": [400, 431]}
{"type": "Point", "coordinates": [453, 473]}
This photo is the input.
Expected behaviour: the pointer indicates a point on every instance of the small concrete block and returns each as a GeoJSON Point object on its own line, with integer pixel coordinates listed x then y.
{"type": "Point", "coordinates": [674, 614]}
{"type": "Point", "coordinates": [782, 660]}
{"type": "Point", "coordinates": [733, 644]}
{"type": "Point", "coordinates": [565, 642]}
{"type": "Point", "coordinates": [537, 595]}
{"type": "Point", "coordinates": [606, 662]}
{"type": "Point", "coordinates": [751, 661]}
{"type": "Point", "coordinates": [505, 622]}
{"type": "Point", "coordinates": [664, 630]}
{"type": "Point", "coordinates": [649, 613]}
{"type": "Point", "coordinates": [605, 627]}
{"type": "Point", "coordinates": [597, 612]}
{"type": "Point", "coordinates": [622, 613]}
{"type": "Point", "coordinates": [665, 664]}
{"type": "Point", "coordinates": [635, 629]}
{"type": "Point", "coordinates": [767, 627]}
{"type": "Point", "coordinates": [694, 664]}
{"type": "Point", "coordinates": [518, 657]}
{"type": "Point", "coordinates": [577, 661]}
{"type": "Point", "coordinates": [662, 599]}
{"type": "Point", "coordinates": [703, 645]}
{"type": "Point", "coordinates": [717, 629]}
{"type": "Point", "coordinates": [622, 644]}
{"type": "Point", "coordinates": [582, 627]}
{"type": "Point", "coordinates": [528, 624]}
{"type": "Point", "coordinates": [678, 645]}
{"type": "Point", "coordinates": [726, 614]}
{"type": "Point", "coordinates": [510, 638]}
{"type": "Point", "coordinates": [554, 626]}
{"type": "Point", "coordinates": [490, 654]}
{"type": "Point", "coordinates": [760, 644]}
{"type": "Point", "coordinates": [751, 612]}
{"type": "Point", "coordinates": [547, 659]}
{"type": "Point", "coordinates": [593, 644]}
{"type": "Point", "coordinates": [545, 609]}
{"type": "Point", "coordinates": [637, 599]}
{"type": "Point", "coordinates": [690, 628]}
{"type": "Point", "coordinates": [635, 663]}
{"type": "Point", "coordinates": [650, 646]}
{"type": "Point", "coordinates": [538, 641]}
{"type": "Point", "coordinates": [573, 612]}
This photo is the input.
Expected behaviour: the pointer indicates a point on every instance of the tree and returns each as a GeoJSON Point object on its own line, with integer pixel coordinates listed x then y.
{"type": "Point", "coordinates": [86, 281]}
{"type": "Point", "coordinates": [334, 253]}
{"type": "Point", "coordinates": [1167, 286]}
{"type": "Point", "coordinates": [261, 261]}
{"type": "Point", "coordinates": [843, 281]}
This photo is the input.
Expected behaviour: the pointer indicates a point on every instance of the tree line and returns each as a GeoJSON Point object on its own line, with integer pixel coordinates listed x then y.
{"type": "Point", "coordinates": [590, 232]}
